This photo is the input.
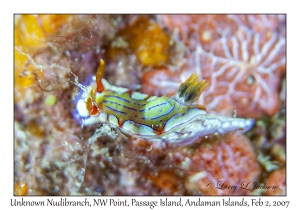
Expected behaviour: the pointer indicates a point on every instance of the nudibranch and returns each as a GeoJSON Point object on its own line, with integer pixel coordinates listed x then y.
{"type": "Point", "coordinates": [175, 120]}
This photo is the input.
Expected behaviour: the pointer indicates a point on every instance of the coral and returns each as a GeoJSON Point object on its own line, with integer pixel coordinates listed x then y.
{"type": "Point", "coordinates": [231, 161]}
{"type": "Point", "coordinates": [126, 67]}
{"type": "Point", "coordinates": [167, 181]}
{"type": "Point", "coordinates": [208, 27]}
{"type": "Point", "coordinates": [278, 152]}
{"type": "Point", "coordinates": [31, 33]}
{"type": "Point", "coordinates": [160, 82]}
{"type": "Point", "coordinates": [242, 64]}
{"type": "Point", "coordinates": [146, 39]}
{"type": "Point", "coordinates": [84, 33]}
{"type": "Point", "coordinates": [51, 23]}
{"type": "Point", "coordinates": [21, 189]}
{"type": "Point", "coordinates": [278, 179]}
{"type": "Point", "coordinates": [28, 31]}
{"type": "Point", "coordinates": [27, 34]}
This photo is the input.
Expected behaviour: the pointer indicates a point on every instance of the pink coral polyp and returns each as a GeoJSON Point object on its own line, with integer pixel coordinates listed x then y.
{"type": "Point", "coordinates": [241, 57]}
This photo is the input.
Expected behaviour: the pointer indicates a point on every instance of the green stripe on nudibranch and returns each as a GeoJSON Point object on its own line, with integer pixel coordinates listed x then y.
{"type": "Point", "coordinates": [127, 106]}
{"type": "Point", "coordinates": [154, 118]}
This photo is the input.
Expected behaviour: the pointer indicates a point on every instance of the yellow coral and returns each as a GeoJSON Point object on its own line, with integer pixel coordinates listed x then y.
{"type": "Point", "coordinates": [30, 34]}
{"type": "Point", "coordinates": [51, 23]}
{"type": "Point", "coordinates": [152, 45]}
{"type": "Point", "coordinates": [146, 40]}
{"type": "Point", "coordinates": [21, 189]}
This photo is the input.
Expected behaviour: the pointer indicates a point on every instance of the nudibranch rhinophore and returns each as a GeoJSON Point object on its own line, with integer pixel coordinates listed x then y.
{"type": "Point", "coordinates": [174, 120]}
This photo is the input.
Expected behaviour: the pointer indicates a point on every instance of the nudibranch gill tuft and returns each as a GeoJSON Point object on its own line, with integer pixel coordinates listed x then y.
{"type": "Point", "coordinates": [174, 120]}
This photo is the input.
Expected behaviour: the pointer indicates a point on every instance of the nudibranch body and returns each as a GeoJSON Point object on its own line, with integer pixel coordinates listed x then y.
{"type": "Point", "coordinates": [174, 120]}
